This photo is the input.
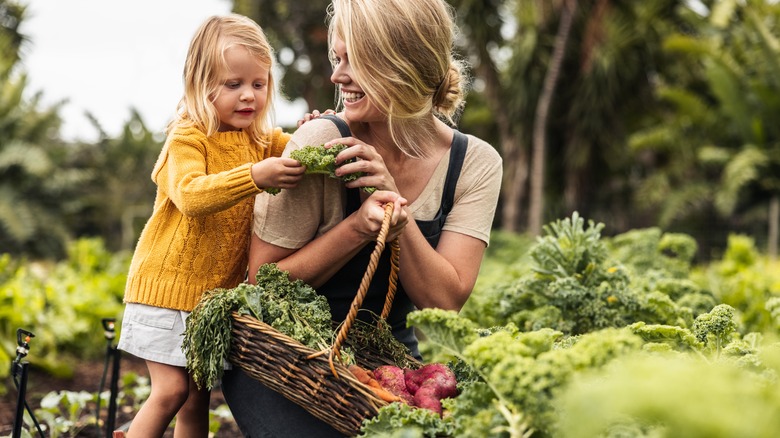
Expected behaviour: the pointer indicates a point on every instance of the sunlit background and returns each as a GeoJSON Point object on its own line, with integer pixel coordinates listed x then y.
{"type": "Point", "coordinates": [106, 57]}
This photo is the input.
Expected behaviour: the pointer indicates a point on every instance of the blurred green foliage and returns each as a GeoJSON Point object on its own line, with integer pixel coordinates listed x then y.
{"type": "Point", "coordinates": [62, 303]}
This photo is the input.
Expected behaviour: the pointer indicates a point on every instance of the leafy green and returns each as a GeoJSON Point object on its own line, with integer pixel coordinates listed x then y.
{"type": "Point", "coordinates": [289, 306]}
{"type": "Point", "coordinates": [745, 280]}
{"type": "Point", "coordinates": [678, 338]}
{"type": "Point", "coordinates": [579, 282]}
{"type": "Point", "coordinates": [444, 327]}
{"type": "Point", "coordinates": [715, 329]}
{"type": "Point", "coordinates": [62, 303]}
{"type": "Point", "coordinates": [207, 335]}
{"type": "Point", "coordinates": [293, 307]}
{"type": "Point", "coordinates": [322, 160]}
{"type": "Point", "coordinates": [673, 394]}
{"type": "Point", "coordinates": [399, 420]}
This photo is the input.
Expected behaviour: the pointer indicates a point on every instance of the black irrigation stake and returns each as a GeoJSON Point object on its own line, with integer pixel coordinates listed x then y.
{"type": "Point", "coordinates": [113, 354]}
{"type": "Point", "coordinates": [21, 368]}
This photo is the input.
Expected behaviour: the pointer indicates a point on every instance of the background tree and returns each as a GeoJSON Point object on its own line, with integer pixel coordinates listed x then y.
{"type": "Point", "coordinates": [484, 25]}
{"type": "Point", "coordinates": [606, 150]}
{"type": "Point", "coordinates": [34, 177]}
{"type": "Point", "coordinates": [119, 198]}
{"type": "Point", "coordinates": [297, 30]}
{"type": "Point", "coordinates": [541, 115]}
{"type": "Point", "coordinates": [605, 91]}
{"type": "Point", "coordinates": [720, 141]}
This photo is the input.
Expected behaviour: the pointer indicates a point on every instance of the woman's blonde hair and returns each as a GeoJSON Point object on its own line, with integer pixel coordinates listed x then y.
{"type": "Point", "coordinates": [204, 71]}
{"type": "Point", "coordinates": [401, 52]}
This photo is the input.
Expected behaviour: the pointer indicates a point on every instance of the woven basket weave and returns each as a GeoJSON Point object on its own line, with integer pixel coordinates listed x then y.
{"type": "Point", "coordinates": [316, 380]}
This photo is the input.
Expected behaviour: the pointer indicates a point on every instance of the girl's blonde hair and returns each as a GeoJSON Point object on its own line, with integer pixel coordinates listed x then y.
{"type": "Point", "coordinates": [401, 52]}
{"type": "Point", "coordinates": [205, 67]}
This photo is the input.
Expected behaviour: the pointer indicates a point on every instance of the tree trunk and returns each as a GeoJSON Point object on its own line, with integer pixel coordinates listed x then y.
{"type": "Point", "coordinates": [774, 222]}
{"type": "Point", "coordinates": [536, 208]}
{"type": "Point", "coordinates": [513, 186]}
{"type": "Point", "coordinates": [512, 152]}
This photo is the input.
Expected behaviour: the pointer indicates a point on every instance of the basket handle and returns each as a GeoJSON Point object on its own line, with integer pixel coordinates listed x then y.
{"type": "Point", "coordinates": [366, 281]}
{"type": "Point", "coordinates": [395, 256]}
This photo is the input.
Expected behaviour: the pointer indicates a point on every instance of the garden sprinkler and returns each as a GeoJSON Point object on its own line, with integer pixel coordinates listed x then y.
{"type": "Point", "coordinates": [21, 368]}
{"type": "Point", "coordinates": [112, 353]}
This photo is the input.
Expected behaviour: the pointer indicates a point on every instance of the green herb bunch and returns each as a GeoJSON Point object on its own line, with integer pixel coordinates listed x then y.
{"type": "Point", "coordinates": [290, 306]}
{"type": "Point", "coordinates": [207, 334]}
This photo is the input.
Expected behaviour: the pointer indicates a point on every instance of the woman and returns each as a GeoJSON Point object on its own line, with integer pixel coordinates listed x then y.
{"type": "Point", "coordinates": [398, 83]}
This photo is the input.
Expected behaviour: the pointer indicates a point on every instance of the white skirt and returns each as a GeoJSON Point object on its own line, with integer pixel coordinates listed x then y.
{"type": "Point", "coordinates": [153, 333]}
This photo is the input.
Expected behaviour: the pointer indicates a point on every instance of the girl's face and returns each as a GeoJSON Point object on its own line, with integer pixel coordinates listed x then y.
{"type": "Point", "coordinates": [243, 93]}
{"type": "Point", "coordinates": [357, 106]}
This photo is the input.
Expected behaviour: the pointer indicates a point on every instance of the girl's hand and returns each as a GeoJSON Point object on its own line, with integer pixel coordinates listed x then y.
{"type": "Point", "coordinates": [277, 172]}
{"type": "Point", "coordinates": [313, 115]}
{"type": "Point", "coordinates": [369, 218]}
{"type": "Point", "coordinates": [368, 161]}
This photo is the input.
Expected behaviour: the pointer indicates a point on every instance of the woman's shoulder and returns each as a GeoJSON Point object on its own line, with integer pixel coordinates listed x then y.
{"type": "Point", "coordinates": [315, 132]}
{"type": "Point", "coordinates": [481, 151]}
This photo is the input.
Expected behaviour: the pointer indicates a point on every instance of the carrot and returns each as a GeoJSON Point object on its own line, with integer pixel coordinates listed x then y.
{"type": "Point", "coordinates": [384, 394]}
{"type": "Point", "coordinates": [365, 378]}
{"type": "Point", "coordinates": [359, 373]}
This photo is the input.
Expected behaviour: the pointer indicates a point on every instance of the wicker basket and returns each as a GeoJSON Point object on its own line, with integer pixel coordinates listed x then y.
{"type": "Point", "coordinates": [313, 379]}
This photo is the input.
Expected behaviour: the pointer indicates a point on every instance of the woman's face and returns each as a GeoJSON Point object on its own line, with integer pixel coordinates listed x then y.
{"type": "Point", "coordinates": [357, 105]}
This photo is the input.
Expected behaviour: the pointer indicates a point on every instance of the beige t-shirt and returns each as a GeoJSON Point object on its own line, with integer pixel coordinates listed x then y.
{"type": "Point", "coordinates": [294, 217]}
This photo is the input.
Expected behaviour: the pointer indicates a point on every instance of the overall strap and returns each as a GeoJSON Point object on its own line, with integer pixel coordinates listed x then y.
{"type": "Point", "coordinates": [457, 156]}
{"type": "Point", "coordinates": [340, 123]}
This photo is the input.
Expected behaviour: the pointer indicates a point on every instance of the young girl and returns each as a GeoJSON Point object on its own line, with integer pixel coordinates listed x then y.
{"type": "Point", "coordinates": [220, 152]}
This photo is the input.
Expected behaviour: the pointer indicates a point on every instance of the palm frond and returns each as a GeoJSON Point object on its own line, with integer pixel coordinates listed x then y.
{"type": "Point", "coordinates": [743, 169]}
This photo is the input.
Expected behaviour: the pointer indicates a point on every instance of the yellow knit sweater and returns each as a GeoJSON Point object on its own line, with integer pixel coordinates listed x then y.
{"type": "Point", "coordinates": [197, 238]}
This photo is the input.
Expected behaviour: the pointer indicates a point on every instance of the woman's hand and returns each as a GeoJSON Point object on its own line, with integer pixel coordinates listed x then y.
{"type": "Point", "coordinates": [368, 161]}
{"type": "Point", "coordinates": [368, 219]}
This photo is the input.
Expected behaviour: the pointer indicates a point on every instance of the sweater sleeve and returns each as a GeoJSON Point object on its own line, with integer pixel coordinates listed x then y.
{"type": "Point", "coordinates": [279, 140]}
{"type": "Point", "coordinates": [181, 173]}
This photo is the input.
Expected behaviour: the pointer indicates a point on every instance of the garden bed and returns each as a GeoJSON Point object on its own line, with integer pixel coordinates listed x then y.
{"type": "Point", "coordinates": [87, 378]}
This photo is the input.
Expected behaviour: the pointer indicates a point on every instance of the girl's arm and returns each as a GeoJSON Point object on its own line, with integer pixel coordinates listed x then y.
{"type": "Point", "coordinates": [181, 173]}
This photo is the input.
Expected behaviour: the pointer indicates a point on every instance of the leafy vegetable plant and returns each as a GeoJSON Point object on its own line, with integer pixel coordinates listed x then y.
{"type": "Point", "coordinates": [322, 160]}
{"type": "Point", "coordinates": [290, 306]}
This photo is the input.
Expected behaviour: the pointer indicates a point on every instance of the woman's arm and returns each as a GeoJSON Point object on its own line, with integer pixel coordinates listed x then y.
{"type": "Point", "coordinates": [443, 277]}
{"type": "Point", "coordinates": [318, 260]}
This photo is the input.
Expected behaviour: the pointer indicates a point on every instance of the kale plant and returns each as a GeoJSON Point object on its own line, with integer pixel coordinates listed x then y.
{"type": "Point", "coordinates": [322, 160]}
{"type": "Point", "coordinates": [289, 306]}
